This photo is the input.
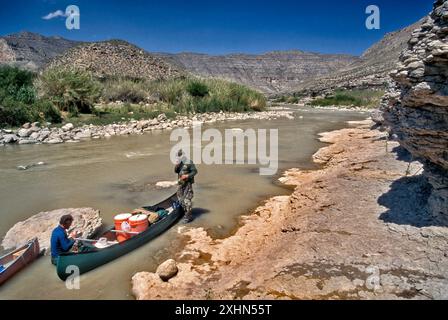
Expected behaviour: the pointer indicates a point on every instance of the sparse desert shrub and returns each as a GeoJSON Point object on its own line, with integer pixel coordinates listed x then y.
{"type": "Point", "coordinates": [71, 91]}
{"type": "Point", "coordinates": [125, 90]}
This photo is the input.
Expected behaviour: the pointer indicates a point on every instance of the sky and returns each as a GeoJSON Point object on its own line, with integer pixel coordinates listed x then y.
{"type": "Point", "coordinates": [218, 26]}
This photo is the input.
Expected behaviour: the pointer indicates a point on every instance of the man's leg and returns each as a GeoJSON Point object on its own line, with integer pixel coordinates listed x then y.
{"type": "Point", "coordinates": [188, 202]}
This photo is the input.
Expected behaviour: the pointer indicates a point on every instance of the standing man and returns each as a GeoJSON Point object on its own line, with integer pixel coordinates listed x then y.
{"type": "Point", "coordinates": [60, 242]}
{"type": "Point", "coordinates": [186, 170]}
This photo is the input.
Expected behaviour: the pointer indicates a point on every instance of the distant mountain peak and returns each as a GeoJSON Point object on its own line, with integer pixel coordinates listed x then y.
{"type": "Point", "coordinates": [31, 50]}
{"type": "Point", "coordinates": [26, 35]}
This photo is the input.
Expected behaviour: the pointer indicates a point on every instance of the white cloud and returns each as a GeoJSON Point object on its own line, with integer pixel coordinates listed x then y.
{"type": "Point", "coordinates": [52, 15]}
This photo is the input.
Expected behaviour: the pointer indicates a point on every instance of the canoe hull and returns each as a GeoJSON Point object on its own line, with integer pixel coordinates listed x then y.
{"type": "Point", "coordinates": [84, 262]}
{"type": "Point", "coordinates": [30, 252]}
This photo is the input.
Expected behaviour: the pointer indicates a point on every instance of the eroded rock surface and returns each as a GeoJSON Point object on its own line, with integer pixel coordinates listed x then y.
{"type": "Point", "coordinates": [356, 229]}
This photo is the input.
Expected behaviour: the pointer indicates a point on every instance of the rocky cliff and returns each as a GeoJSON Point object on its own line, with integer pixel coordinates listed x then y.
{"type": "Point", "coordinates": [416, 107]}
{"type": "Point", "coordinates": [270, 72]}
{"type": "Point", "coordinates": [370, 71]}
{"type": "Point", "coordinates": [31, 50]}
{"type": "Point", "coordinates": [116, 58]}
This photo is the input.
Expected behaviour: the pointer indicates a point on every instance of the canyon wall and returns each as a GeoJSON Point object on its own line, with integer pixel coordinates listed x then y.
{"type": "Point", "coordinates": [270, 73]}
{"type": "Point", "coordinates": [416, 106]}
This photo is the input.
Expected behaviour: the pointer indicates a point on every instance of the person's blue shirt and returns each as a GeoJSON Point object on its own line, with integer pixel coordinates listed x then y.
{"type": "Point", "coordinates": [60, 243]}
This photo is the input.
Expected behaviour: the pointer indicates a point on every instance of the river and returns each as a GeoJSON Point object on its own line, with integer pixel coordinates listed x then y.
{"type": "Point", "coordinates": [118, 174]}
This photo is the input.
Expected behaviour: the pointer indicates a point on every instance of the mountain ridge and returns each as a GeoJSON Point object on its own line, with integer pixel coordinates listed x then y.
{"type": "Point", "coordinates": [273, 72]}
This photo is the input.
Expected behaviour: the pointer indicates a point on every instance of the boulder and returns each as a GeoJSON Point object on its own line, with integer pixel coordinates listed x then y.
{"type": "Point", "coordinates": [162, 117]}
{"type": "Point", "coordinates": [68, 127]}
{"type": "Point", "coordinates": [167, 270]}
{"type": "Point", "coordinates": [24, 133]}
{"type": "Point", "coordinates": [10, 138]}
{"type": "Point", "coordinates": [34, 135]}
{"type": "Point", "coordinates": [85, 134]}
{"type": "Point", "coordinates": [29, 141]}
{"type": "Point", "coordinates": [55, 141]}
{"type": "Point", "coordinates": [87, 222]}
{"type": "Point", "coordinates": [377, 116]}
{"type": "Point", "coordinates": [44, 134]}
{"type": "Point", "coordinates": [166, 184]}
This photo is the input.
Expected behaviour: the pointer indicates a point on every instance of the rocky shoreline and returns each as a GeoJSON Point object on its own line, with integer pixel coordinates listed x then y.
{"type": "Point", "coordinates": [33, 133]}
{"type": "Point", "coordinates": [322, 242]}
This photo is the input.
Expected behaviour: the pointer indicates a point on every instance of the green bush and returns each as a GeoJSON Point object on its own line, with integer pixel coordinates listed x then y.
{"type": "Point", "coordinates": [14, 113]}
{"type": "Point", "coordinates": [16, 84]}
{"type": "Point", "coordinates": [197, 89]}
{"type": "Point", "coordinates": [26, 94]}
{"type": "Point", "coordinates": [358, 98]}
{"type": "Point", "coordinates": [71, 91]}
{"type": "Point", "coordinates": [294, 98]}
{"type": "Point", "coordinates": [18, 102]}
{"type": "Point", "coordinates": [44, 110]}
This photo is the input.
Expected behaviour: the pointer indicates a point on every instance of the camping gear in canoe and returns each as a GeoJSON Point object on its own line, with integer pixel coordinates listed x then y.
{"type": "Point", "coordinates": [139, 223]}
{"type": "Point", "coordinates": [90, 257]}
{"type": "Point", "coordinates": [16, 260]}
{"type": "Point", "coordinates": [122, 224]}
{"type": "Point", "coordinates": [151, 215]}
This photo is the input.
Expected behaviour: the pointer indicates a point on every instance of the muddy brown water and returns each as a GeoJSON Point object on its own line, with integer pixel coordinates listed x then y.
{"type": "Point", "coordinates": [118, 174]}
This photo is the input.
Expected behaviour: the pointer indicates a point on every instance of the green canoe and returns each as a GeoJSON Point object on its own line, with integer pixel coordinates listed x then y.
{"type": "Point", "coordinates": [86, 261]}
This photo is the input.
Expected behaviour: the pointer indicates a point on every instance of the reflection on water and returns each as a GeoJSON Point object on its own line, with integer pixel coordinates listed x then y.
{"type": "Point", "coordinates": [118, 174]}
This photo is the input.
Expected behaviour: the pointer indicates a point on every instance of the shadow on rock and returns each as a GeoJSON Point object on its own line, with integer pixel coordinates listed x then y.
{"type": "Point", "coordinates": [402, 154]}
{"type": "Point", "coordinates": [407, 202]}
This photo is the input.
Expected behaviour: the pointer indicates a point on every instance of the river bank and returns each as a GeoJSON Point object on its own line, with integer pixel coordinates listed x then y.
{"type": "Point", "coordinates": [120, 173]}
{"type": "Point", "coordinates": [323, 242]}
{"type": "Point", "coordinates": [33, 133]}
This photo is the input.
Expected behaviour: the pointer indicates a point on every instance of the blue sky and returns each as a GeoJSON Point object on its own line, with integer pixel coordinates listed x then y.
{"type": "Point", "coordinates": [219, 27]}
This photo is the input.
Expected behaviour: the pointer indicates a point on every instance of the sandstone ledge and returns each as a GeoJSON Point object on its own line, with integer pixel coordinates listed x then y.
{"type": "Point", "coordinates": [355, 229]}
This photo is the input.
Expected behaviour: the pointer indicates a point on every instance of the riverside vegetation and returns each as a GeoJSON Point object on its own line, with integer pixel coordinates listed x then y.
{"type": "Point", "coordinates": [72, 105]}
{"type": "Point", "coordinates": [369, 99]}
{"type": "Point", "coordinates": [58, 95]}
